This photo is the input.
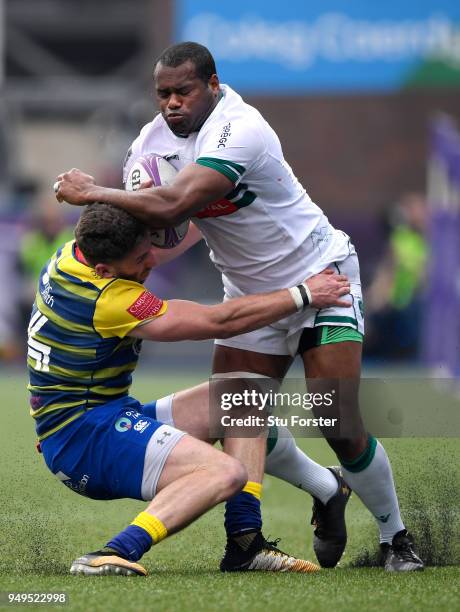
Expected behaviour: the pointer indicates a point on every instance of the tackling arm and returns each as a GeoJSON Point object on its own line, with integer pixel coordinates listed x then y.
{"type": "Point", "coordinates": [191, 321]}
{"type": "Point", "coordinates": [193, 189]}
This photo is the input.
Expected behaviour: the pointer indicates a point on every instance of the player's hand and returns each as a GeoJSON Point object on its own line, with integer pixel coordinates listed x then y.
{"type": "Point", "coordinates": [146, 184]}
{"type": "Point", "coordinates": [328, 288]}
{"type": "Point", "coordinates": [74, 187]}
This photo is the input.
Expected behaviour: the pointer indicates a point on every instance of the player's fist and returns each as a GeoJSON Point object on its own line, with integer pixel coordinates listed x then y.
{"type": "Point", "coordinates": [75, 187]}
{"type": "Point", "coordinates": [328, 289]}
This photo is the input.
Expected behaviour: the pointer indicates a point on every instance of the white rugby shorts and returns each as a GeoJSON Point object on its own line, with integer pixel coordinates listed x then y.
{"type": "Point", "coordinates": [282, 337]}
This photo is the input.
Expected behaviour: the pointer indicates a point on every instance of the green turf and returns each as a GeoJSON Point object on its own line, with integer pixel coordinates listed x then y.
{"type": "Point", "coordinates": [43, 526]}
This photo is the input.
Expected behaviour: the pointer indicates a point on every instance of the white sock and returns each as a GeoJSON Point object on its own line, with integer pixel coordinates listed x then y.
{"type": "Point", "coordinates": [164, 410]}
{"type": "Point", "coordinates": [289, 463]}
{"type": "Point", "coordinates": [375, 487]}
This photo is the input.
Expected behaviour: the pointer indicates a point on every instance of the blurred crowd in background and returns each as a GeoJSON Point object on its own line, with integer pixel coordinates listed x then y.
{"type": "Point", "coordinates": [351, 91]}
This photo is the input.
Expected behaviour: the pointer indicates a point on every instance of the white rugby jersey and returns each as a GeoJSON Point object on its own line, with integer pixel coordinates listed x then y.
{"type": "Point", "coordinates": [266, 234]}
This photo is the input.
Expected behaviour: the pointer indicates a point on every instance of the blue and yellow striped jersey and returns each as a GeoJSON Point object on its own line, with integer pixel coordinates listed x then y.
{"type": "Point", "coordinates": [79, 354]}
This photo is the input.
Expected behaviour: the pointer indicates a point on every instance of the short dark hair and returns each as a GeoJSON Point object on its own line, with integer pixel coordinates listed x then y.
{"type": "Point", "coordinates": [105, 233]}
{"type": "Point", "coordinates": [200, 56]}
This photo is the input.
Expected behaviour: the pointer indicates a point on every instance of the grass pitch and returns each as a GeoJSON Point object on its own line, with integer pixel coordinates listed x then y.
{"type": "Point", "coordinates": [44, 526]}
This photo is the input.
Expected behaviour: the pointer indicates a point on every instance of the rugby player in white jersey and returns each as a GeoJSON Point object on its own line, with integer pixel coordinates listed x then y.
{"type": "Point", "coordinates": [264, 233]}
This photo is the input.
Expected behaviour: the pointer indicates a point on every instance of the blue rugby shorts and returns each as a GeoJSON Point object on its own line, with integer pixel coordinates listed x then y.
{"type": "Point", "coordinates": [113, 451]}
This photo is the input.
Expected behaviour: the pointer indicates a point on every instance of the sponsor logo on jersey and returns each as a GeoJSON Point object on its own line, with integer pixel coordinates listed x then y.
{"type": "Point", "coordinates": [217, 209]}
{"type": "Point", "coordinates": [123, 424]}
{"type": "Point", "coordinates": [240, 197]}
{"type": "Point", "coordinates": [147, 305]}
{"type": "Point", "coordinates": [141, 425]}
{"type": "Point", "coordinates": [46, 291]}
{"type": "Point", "coordinates": [226, 133]}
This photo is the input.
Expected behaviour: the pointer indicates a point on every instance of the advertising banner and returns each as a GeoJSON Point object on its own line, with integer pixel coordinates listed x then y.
{"type": "Point", "coordinates": [285, 48]}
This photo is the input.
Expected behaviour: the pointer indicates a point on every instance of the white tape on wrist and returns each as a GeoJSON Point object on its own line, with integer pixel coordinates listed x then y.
{"type": "Point", "coordinates": [297, 297]}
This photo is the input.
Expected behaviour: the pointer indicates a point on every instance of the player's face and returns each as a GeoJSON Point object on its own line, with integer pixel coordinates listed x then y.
{"type": "Point", "coordinates": [136, 265]}
{"type": "Point", "coordinates": [185, 100]}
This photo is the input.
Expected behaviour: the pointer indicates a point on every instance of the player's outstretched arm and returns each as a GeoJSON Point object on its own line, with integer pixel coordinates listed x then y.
{"type": "Point", "coordinates": [193, 189]}
{"type": "Point", "coordinates": [191, 321]}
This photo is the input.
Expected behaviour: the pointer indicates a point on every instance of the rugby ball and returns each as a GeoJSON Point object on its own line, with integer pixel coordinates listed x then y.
{"type": "Point", "coordinates": [156, 168]}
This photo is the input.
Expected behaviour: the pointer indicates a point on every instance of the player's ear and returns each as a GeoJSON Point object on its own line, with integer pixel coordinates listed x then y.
{"type": "Point", "coordinates": [214, 84]}
{"type": "Point", "coordinates": [104, 270]}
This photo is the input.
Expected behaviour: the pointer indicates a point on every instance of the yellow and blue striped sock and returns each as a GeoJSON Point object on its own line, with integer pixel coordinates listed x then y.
{"type": "Point", "coordinates": [137, 538]}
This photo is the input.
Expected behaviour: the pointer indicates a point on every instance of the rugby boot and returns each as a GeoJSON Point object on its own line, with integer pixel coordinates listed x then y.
{"type": "Point", "coordinates": [330, 535]}
{"type": "Point", "coordinates": [400, 556]}
{"type": "Point", "coordinates": [262, 556]}
{"type": "Point", "coordinates": [106, 563]}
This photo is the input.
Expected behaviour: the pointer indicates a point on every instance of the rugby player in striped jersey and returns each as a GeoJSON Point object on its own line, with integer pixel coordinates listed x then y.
{"type": "Point", "coordinates": [88, 321]}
